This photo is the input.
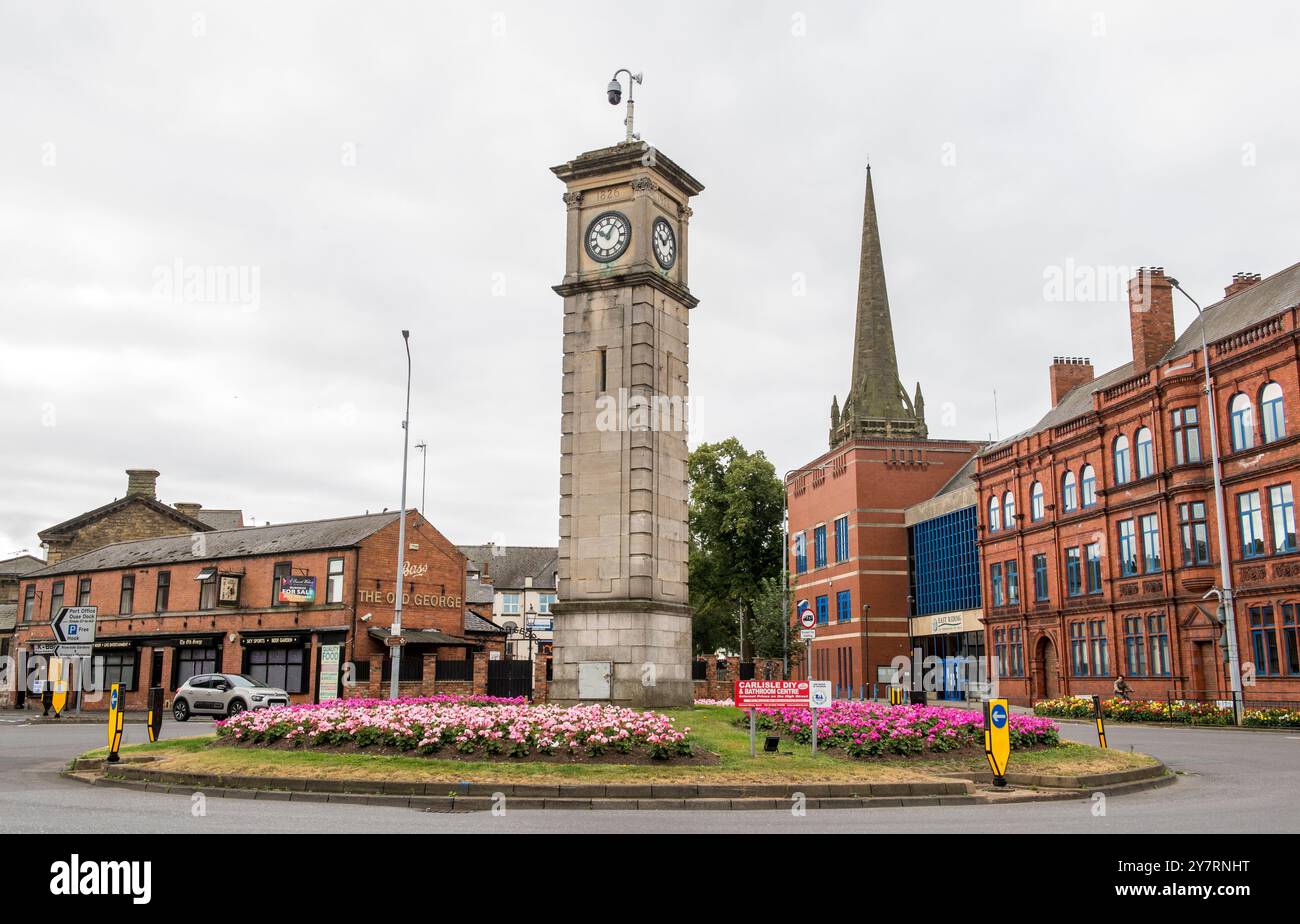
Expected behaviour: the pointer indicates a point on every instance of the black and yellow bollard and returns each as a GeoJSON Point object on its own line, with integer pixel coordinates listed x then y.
{"type": "Point", "coordinates": [116, 717]}
{"type": "Point", "coordinates": [1101, 722]}
{"type": "Point", "coordinates": [155, 712]}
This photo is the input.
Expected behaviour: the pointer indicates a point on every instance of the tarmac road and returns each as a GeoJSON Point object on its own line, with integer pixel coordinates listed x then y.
{"type": "Point", "coordinates": [1231, 781]}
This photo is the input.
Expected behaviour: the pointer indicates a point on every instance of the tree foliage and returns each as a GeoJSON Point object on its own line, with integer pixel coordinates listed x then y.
{"type": "Point", "coordinates": [736, 506]}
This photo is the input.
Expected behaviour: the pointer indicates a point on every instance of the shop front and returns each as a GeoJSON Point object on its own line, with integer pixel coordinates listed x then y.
{"type": "Point", "coordinates": [951, 647]}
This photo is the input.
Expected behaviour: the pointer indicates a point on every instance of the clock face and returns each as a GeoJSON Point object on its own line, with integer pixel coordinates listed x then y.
{"type": "Point", "coordinates": [608, 236]}
{"type": "Point", "coordinates": [665, 243]}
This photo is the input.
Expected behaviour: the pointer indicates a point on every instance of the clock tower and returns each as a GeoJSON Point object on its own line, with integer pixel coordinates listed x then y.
{"type": "Point", "coordinates": [623, 623]}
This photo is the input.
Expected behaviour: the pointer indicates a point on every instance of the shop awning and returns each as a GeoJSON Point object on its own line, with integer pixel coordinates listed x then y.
{"type": "Point", "coordinates": [423, 637]}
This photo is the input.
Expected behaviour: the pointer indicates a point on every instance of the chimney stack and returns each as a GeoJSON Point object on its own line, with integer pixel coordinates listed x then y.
{"type": "Point", "coordinates": [190, 510]}
{"type": "Point", "coordinates": [1068, 373]}
{"type": "Point", "coordinates": [1151, 316]}
{"type": "Point", "coordinates": [1240, 281]}
{"type": "Point", "coordinates": [142, 481]}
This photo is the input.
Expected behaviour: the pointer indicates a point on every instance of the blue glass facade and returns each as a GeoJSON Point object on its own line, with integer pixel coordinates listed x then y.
{"type": "Point", "coordinates": [945, 563]}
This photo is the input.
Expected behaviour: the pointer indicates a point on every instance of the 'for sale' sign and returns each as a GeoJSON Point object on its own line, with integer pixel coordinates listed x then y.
{"type": "Point", "coordinates": [771, 693]}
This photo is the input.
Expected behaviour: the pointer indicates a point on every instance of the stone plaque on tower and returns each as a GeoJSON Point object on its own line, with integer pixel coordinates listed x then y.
{"type": "Point", "coordinates": [623, 623]}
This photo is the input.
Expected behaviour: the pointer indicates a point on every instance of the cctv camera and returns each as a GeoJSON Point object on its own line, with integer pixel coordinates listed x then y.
{"type": "Point", "coordinates": [366, 618]}
{"type": "Point", "coordinates": [615, 91]}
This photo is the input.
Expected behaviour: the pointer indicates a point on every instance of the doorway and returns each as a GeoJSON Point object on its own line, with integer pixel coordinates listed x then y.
{"type": "Point", "coordinates": [1204, 673]}
{"type": "Point", "coordinates": [156, 668]}
{"type": "Point", "coordinates": [1045, 668]}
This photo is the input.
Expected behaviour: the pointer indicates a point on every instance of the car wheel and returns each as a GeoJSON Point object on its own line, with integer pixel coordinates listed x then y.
{"type": "Point", "coordinates": [235, 708]}
{"type": "Point", "coordinates": [180, 711]}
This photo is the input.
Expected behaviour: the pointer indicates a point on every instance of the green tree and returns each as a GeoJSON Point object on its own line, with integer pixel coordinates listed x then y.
{"type": "Point", "coordinates": [735, 542]}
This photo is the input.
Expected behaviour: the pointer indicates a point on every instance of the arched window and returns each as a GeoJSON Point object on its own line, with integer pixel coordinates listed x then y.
{"type": "Point", "coordinates": [1088, 486]}
{"type": "Point", "coordinates": [1123, 464]}
{"type": "Point", "coordinates": [1069, 496]}
{"type": "Point", "coordinates": [1036, 501]}
{"type": "Point", "coordinates": [1009, 510]}
{"type": "Point", "coordinates": [1146, 458]}
{"type": "Point", "coordinates": [1270, 409]}
{"type": "Point", "coordinates": [1243, 422]}
{"type": "Point", "coordinates": [995, 515]}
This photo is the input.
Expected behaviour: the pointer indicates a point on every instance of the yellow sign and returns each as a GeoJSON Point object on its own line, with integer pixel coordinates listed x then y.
{"type": "Point", "coordinates": [116, 716]}
{"type": "Point", "coordinates": [997, 738]}
{"type": "Point", "coordinates": [58, 686]}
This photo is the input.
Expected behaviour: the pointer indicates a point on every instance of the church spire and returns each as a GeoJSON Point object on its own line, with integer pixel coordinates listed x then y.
{"type": "Point", "coordinates": [877, 404]}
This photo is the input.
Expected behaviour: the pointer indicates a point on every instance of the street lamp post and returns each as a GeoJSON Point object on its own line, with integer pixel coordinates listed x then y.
{"type": "Point", "coordinates": [424, 476]}
{"type": "Point", "coordinates": [1225, 569]}
{"type": "Point", "coordinates": [396, 647]}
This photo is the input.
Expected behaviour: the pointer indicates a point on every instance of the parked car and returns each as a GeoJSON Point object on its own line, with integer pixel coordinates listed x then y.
{"type": "Point", "coordinates": [224, 695]}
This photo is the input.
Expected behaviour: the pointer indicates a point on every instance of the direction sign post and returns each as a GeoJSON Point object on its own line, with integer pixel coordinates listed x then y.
{"type": "Point", "coordinates": [74, 625]}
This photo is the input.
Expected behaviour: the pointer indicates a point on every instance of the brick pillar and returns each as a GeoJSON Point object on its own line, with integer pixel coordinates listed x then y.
{"type": "Point", "coordinates": [539, 680]}
{"type": "Point", "coordinates": [376, 676]}
{"type": "Point", "coordinates": [429, 681]}
{"type": "Point", "coordinates": [480, 685]}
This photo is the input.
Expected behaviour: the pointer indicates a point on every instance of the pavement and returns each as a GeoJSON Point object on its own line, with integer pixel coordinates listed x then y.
{"type": "Point", "coordinates": [1230, 781]}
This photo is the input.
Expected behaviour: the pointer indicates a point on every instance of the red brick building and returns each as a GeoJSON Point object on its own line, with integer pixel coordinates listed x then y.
{"type": "Point", "coordinates": [848, 543]}
{"type": "Point", "coordinates": [1098, 529]}
{"type": "Point", "coordinates": [174, 606]}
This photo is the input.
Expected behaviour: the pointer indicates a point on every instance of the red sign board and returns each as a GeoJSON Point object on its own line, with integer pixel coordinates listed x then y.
{"type": "Point", "coordinates": [773, 693]}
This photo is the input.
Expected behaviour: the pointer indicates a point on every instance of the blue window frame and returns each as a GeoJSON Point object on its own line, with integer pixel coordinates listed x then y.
{"type": "Point", "coordinates": [1123, 464]}
{"type": "Point", "coordinates": [1128, 560]}
{"type": "Point", "coordinates": [1078, 650]}
{"type": "Point", "coordinates": [800, 553]}
{"type": "Point", "coordinates": [1146, 459]}
{"type": "Point", "coordinates": [1088, 486]}
{"type": "Point", "coordinates": [842, 539]}
{"type": "Point", "coordinates": [1040, 577]}
{"type": "Point", "coordinates": [1036, 501]}
{"type": "Point", "coordinates": [1291, 637]}
{"type": "Point", "coordinates": [1069, 495]}
{"type": "Point", "coordinates": [1243, 423]}
{"type": "Point", "coordinates": [1187, 436]}
{"type": "Point", "coordinates": [1100, 650]}
{"type": "Point", "coordinates": [819, 546]}
{"type": "Point", "coordinates": [1251, 519]}
{"type": "Point", "coordinates": [1271, 412]}
{"type": "Point", "coordinates": [1013, 582]}
{"type": "Point", "coordinates": [1196, 536]}
{"type": "Point", "coordinates": [1135, 661]}
{"type": "Point", "coordinates": [1073, 575]}
{"type": "Point", "coordinates": [1263, 640]}
{"type": "Point", "coordinates": [995, 584]}
{"type": "Point", "coordinates": [1282, 505]}
{"type": "Point", "coordinates": [1158, 644]}
{"type": "Point", "coordinates": [843, 606]}
{"type": "Point", "coordinates": [995, 515]}
{"type": "Point", "coordinates": [1150, 543]}
{"type": "Point", "coordinates": [1092, 561]}
{"type": "Point", "coordinates": [823, 611]}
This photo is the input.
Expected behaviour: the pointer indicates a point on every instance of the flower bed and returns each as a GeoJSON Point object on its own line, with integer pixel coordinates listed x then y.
{"type": "Point", "coordinates": [463, 726]}
{"type": "Point", "coordinates": [1187, 711]}
{"type": "Point", "coordinates": [866, 729]}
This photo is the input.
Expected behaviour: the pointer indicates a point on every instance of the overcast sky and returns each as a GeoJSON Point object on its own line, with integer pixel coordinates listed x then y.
{"type": "Point", "coordinates": [374, 166]}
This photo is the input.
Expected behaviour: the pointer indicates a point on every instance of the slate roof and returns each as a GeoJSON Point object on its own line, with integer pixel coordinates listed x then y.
{"type": "Point", "coordinates": [1257, 303]}
{"type": "Point", "coordinates": [20, 565]}
{"type": "Point", "coordinates": [964, 477]}
{"type": "Point", "coordinates": [222, 519]}
{"type": "Point", "coordinates": [477, 591]}
{"type": "Point", "coordinates": [506, 566]}
{"type": "Point", "coordinates": [8, 616]}
{"type": "Point", "coordinates": [81, 519]}
{"type": "Point", "coordinates": [476, 623]}
{"type": "Point", "coordinates": [309, 535]}
{"type": "Point", "coordinates": [418, 636]}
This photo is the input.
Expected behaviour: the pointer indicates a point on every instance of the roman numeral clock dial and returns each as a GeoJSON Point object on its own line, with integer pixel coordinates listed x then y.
{"type": "Point", "coordinates": [665, 243]}
{"type": "Point", "coordinates": [608, 236]}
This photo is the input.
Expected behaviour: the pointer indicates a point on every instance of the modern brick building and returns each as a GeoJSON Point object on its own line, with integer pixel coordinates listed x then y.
{"type": "Point", "coordinates": [1098, 529]}
{"type": "Point", "coordinates": [848, 539]}
{"type": "Point", "coordinates": [265, 601]}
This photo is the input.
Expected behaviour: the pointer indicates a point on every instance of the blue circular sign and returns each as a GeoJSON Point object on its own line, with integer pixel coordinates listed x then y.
{"type": "Point", "coordinates": [112, 700]}
{"type": "Point", "coordinates": [999, 715]}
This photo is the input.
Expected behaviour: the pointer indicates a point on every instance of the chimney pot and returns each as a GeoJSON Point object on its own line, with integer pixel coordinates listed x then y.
{"type": "Point", "coordinates": [142, 481]}
{"type": "Point", "coordinates": [1239, 282]}
{"type": "Point", "coordinates": [1068, 373]}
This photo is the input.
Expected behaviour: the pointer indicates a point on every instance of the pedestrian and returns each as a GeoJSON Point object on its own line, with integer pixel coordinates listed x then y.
{"type": "Point", "coordinates": [1122, 689]}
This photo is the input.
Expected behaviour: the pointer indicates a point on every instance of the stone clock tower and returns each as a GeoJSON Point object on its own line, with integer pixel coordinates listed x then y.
{"type": "Point", "coordinates": [623, 623]}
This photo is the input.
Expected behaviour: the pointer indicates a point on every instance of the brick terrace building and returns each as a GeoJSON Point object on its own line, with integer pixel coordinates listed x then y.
{"type": "Point", "coordinates": [1098, 528]}
{"type": "Point", "coordinates": [173, 607]}
{"type": "Point", "coordinates": [848, 537]}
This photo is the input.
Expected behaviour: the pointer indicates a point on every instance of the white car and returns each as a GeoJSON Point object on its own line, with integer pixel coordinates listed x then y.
{"type": "Point", "coordinates": [224, 695]}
